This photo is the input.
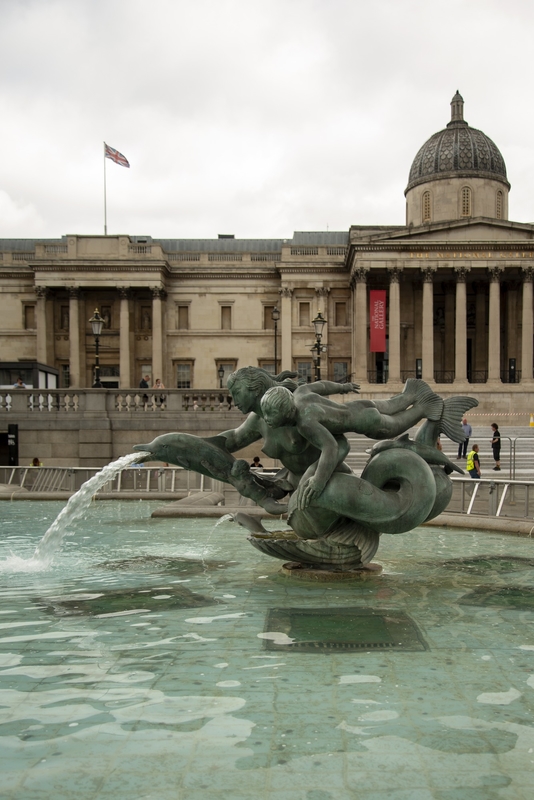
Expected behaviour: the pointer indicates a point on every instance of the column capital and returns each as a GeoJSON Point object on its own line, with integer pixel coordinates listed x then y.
{"type": "Point", "coordinates": [428, 274]}
{"type": "Point", "coordinates": [495, 273]}
{"type": "Point", "coordinates": [528, 273]}
{"type": "Point", "coordinates": [461, 273]}
{"type": "Point", "coordinates": [158, 292]}
{"type": "Point", "coordinates": [359, 275]}
{"type": "Point", "coordinates": [394, 274]}
{"type": "Point", "coordinates": [42, 291]}
{"type": "Point", "coordinates": [286, 291]}
{"type": "Point", "coordinates": [125, 292]}
{"type": "Point", "coordinates": [74, 292]}
{"type": "Point", "coordinates": [322, 291]}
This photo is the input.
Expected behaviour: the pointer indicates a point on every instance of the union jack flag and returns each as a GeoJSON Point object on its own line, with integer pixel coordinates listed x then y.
{"type": "Point", "coordinates": [118, 158]}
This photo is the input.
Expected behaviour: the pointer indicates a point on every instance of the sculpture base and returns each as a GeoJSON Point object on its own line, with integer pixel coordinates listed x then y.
{"type": "Point", "coordinates": [295, 570]}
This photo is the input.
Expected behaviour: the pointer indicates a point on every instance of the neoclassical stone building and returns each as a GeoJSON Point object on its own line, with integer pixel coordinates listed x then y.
{"type": "Point", "coordinates": [458, 280]}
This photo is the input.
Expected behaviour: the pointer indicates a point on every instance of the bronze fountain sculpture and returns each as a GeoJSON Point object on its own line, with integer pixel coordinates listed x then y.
{"type": "Point", "coordinates": [335, 517]}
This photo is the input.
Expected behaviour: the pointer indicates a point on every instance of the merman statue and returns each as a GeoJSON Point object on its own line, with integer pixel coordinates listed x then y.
{"type": "Point", "coordinates": [336, 517]}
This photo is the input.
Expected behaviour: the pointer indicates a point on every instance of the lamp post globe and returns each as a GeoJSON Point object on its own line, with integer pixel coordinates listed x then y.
{"type": "Point", "coordinates": [275, 316]}
{"type": "Point", "coordinates": [97, 323]}
{"type": "Point", "coordinates": [318, 324]}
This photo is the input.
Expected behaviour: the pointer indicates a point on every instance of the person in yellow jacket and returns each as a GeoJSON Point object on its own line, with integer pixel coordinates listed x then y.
{"type": "Point", "coordinates": [473, 463]}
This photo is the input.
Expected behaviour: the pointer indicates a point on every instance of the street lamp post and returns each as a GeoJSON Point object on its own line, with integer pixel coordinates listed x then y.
{"type": "Point", "coordinates": [220, 373]}
{"type": "Point", "coordinates": [275, 316]}
{"type": "Point", "coordinates": [318, 323]}
{"type": "Point", "coordinates": [97, 324]}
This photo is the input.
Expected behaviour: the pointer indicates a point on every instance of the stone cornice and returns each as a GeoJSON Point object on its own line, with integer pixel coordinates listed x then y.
{"type": "Point", "coordinates": [314, 270]}
{"type": "Point", "coordinates": [100, 265]}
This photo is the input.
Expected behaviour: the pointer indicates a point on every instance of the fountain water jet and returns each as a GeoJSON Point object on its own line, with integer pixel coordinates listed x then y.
{"type": "Point", "coordinates": [75, 508]}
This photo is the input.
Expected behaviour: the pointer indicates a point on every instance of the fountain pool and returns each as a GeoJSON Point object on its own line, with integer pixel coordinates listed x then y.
{"type": "Point", "coordinates": [168, 659]}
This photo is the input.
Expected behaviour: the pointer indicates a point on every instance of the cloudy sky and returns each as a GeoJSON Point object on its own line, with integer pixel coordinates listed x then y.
{"type": "Point", "coordinates": [251, 117]}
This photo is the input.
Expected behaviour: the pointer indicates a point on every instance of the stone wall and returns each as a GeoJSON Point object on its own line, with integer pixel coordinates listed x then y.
{"type": "Point", "coordinates": [90, 428]}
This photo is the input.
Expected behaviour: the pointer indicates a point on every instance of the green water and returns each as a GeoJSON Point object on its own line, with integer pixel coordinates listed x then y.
{"type": "Point", "coordinates": [168, 659]}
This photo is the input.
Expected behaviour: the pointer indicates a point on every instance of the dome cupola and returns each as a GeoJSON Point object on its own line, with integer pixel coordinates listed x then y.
{"type": "Point", "coordinates": [459, 172]}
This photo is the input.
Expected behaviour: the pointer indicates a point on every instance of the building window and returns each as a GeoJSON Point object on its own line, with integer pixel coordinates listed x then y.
{"type": "Point", "coordinates": [29, 317]}
{"type": "Point", "coordinates": [304, 315]}
{"type": "Point", "coordinates": [304, 369]}
{"type": "Point", "coordinates": [426, 207]}
{"type": "Point", "coordinates": [466, 202]}
{"type": "Point", "coordinates": [65, 376]}
{"type": "Point", "coordinates": [146, 319]}
{"type": "Point", "coordinates": [106, 316]}
{"type": "Point", "coordinates": [64, 318]}
{"type": "Point", "coordinates": [183, 318]}
{"type": "Point", "coordinates": [341, 371]}
{"type": "Point", "coordinates": [226, 318]}
{"type": "Point", "coordinates": [498, 205]}
{"type": "Point", "coordinates": [268, 321]}
{"type": "Point", "coordinates": [183, 375]}
{"type": "Point", "coordinates": [340, 314]}
{"type": "Point", "coordinates": [268, 366]}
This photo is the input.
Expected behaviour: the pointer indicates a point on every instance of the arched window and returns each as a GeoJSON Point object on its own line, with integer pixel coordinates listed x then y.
{"type": "Point", "coordinates": [498, 205]}
{"type": "Point", "coordinates": [426, 207]}
{"type": "Point", "coordinates": [466, 202]}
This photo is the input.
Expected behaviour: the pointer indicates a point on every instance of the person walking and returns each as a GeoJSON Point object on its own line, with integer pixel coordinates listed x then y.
{"type": "Point", "coordinates": [144, 382]}
{"type": "Point", "coordinates": [473, 463]}
{"type": "Point", "coordinates": [496, 446]}
{"type": "Point", "coordinates": [462, 447]}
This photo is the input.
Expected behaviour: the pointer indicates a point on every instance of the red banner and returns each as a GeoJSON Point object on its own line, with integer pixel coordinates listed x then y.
{"type": "Point", "coordinates": [377, 316]}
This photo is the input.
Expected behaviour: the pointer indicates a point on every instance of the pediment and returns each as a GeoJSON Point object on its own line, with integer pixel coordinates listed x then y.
{"type": "Point", "coordinates": [472, 230]}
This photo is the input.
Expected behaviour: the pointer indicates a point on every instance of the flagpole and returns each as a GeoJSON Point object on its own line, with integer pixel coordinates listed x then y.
{"type": "Point", "coordinates": [105, 200]}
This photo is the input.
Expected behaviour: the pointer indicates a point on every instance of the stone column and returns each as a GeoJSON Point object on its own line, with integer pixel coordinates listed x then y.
{"type": "Point", "coordinates": [494, 325]}
{"type": "Point", "coordinates": [157, 333]}
{"type": "Point", "coordinates": [527, 330]}
{"type": "Point", "coordinates": [286, 328]}
{"type": "Point", "coordinates": [74, 338]}
{"type": "Point", "coordinates": [427, 344]}
{"type": "Point", "coordinates": [394, 324]}
{"type": "Point", "coordinates": [359, 324]}
{"type": "Point", "coordinates": [124, 346]}
{"type": "Point", "coordinates": [460, 357]}
{"type": "Point", "coordinates": [40, 321]}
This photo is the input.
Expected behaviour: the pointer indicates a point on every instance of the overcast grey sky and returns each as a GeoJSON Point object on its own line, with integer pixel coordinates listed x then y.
{"type": "Point", "coordinates": [244, 116]}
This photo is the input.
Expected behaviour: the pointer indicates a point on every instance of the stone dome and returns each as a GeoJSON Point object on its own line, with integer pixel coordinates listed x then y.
{"type": "Point", "coordinates": [458, 151]}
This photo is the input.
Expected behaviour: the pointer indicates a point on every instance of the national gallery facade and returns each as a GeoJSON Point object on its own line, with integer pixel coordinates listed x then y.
{"type": "Point", "coordinates": [458, 283]}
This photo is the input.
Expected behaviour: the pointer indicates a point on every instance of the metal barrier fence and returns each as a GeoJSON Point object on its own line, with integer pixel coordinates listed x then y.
{"type": "Point", "coordinates": [134, 479]}
{"type": "Point", "coordinates": [492, 498]}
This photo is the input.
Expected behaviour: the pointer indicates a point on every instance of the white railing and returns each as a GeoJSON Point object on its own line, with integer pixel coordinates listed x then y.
{"type": "Point", "coordinates": [72, 401]}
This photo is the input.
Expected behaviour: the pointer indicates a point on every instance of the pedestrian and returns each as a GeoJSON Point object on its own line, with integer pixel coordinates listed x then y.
{"type": "Point", "coordinates": [256, 463]}
{"type": "Point", "coordinates": [159, 385]}
{"type": "Point", "coordinates": [496, 446]}
{"type": "Point", "coordinates": [473, 463]}
{"type": "Point", "coordinates": [468, 431]}
{"type": "Point", "coordinates": [36, 462]}
{"type": "Point", "coordinates": [144, 384]}
{"type": "Point", "coordinates": [19, 384]}
{"type": "Point", "coordinates": [439, 446]}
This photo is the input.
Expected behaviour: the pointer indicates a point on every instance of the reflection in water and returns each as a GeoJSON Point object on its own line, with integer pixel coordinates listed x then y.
{"type": "Point", "coordinates": [114, 685]}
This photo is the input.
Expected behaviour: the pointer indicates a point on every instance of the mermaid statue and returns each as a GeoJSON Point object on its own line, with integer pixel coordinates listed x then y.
{"type": "Point", "coordinates": [335, 517]}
